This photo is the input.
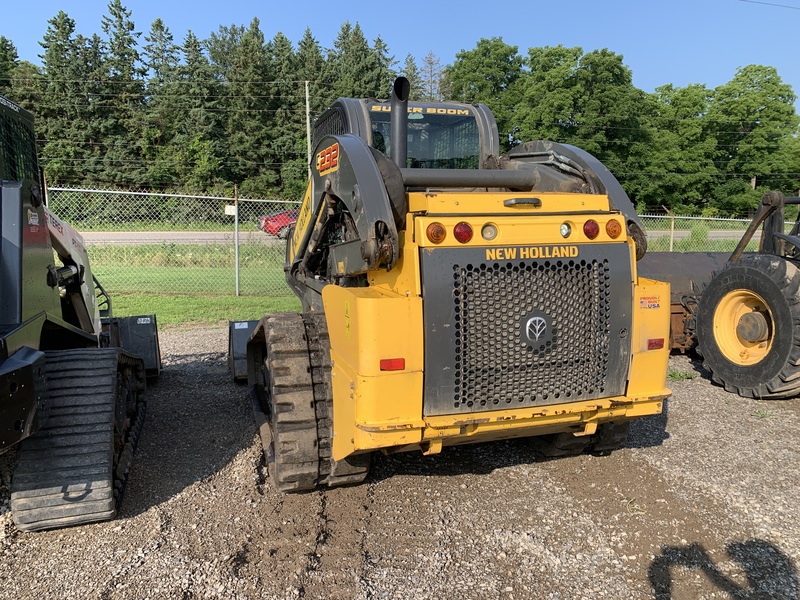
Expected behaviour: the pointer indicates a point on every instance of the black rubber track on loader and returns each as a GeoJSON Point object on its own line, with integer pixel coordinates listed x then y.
{"type": "Point", "coordinates": [74, 469]}
{"type": "Point", "coordinates": [609, 437]}
{"type": "Point", "coordinates": [299, 410]}
{"type": "Point", "coordinates": [353, 469]}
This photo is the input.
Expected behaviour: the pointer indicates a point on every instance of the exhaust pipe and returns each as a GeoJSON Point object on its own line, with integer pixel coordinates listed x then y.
{"type": "Point", "coordinates": [399, 123]}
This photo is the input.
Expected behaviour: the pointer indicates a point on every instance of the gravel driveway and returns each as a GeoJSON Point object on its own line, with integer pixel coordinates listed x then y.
{"type": "Point", "coordinates": [701, 503]}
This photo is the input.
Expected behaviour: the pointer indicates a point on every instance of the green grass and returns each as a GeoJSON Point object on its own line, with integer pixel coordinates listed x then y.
{"type": "Point", "coordinates": [689, 244]}
{"type": "Point", "coordinates": [213, 281]}
{"type": "Point", "coordinates": [199, 310]}
{"type": "Point", "coordinates": [207, 269]}
{"type": "Point", "coordinates": [170, 254]}
{"type": "Point", "coordinates": [762, 413]}
{"type": "Point", "coordinates": [675, 375]}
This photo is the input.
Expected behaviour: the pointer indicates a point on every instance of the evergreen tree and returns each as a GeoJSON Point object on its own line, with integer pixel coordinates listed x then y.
{"type": "Point", "coordinates": [432, 73]}
{"type": "Point", "coordinates": [311, 70]}
{"type": "Point", "coordinates": [247, 132]}
{"type": "Point", "coordinates": [26, 86]}
{"type": "Point", "coordinates": [125, 98]}
{"type": "Point", "coordinates": [382, 68]}
{"type": "Point", "coordinates": [411, 72]}
{"type": "Point", "coordinates": [286, 153]}
{"type": "Point", "coordinates": [60, 114]}
{"type": "Point", "coordinates": [8, 62]}
{"type": "Point", "coordinates": [197, 146]}
{"type": "Point", "coordinates": [161, 63]}
{"type": "Point", "coordinates": [94, 107]}
{"type": "Point", "coordinates": [354, 69]}
{"type": "Point", "coordinates": [222, 47]}
{"type": "Point", "coordinates": [311, 67]}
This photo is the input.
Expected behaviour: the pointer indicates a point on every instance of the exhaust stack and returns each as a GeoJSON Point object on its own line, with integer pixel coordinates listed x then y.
{"type": "Point", "coordinates": [399, 123]}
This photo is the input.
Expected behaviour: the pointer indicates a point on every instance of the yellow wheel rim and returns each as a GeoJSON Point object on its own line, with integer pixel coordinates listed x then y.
{"type": "Point", "coordinates": [734, 310]}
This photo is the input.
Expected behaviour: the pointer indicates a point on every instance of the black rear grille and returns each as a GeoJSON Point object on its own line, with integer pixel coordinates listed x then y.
{"type": "Point", "coordinates": [508, 334]}
{"type": "Point", "coordinates": [494, 368]}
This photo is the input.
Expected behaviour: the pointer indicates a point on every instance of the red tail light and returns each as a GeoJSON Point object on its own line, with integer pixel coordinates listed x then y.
{"type": "Point", "coordinates": [393, 364]}
{"type": "Point", "coordinates": [591, 229]}
{"type": "Point", "coordinates": [463, 232]}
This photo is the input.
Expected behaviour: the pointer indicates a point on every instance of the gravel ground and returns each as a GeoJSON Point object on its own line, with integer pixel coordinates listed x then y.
{"type": "Point", "coordinates": [699, 504]}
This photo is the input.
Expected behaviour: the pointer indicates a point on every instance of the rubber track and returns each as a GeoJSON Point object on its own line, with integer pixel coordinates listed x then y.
{"type": "Point", "coordinates": [294, 461]}
{"type": "Point", "coordinates": [353, 469]}
{"type": "Point", "coordinates": [73, 471]}
{"type": "Point", "coordinates": [301, 413]}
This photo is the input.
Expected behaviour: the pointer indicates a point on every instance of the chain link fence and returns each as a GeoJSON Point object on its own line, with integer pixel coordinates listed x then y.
{"type": "Point", "coordinates": [141, 242]}
{"type": "Point", "coordinates": [667, 233]}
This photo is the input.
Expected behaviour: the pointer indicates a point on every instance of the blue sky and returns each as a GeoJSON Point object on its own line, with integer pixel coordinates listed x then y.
{"type": "Point", "coordinates": [677, 41]}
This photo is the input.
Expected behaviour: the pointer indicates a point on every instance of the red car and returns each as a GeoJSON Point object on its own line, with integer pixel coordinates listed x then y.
{"type": "Point", "coordinates": [279, 224]}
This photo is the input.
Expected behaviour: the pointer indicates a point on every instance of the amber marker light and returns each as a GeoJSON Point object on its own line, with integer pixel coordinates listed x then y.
{"type": "Point", "coordinates": [463, 232]}
{"type": "Point", "coordinates": [591, 229]}
{"type": "Point", "coordinates": [613, 229]}
{"type": "Point", "coordinates": [436, 233]}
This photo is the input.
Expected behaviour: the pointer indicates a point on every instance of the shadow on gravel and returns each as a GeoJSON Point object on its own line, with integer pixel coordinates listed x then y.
{"type": "Point", "coordinates": [473, 459]}
{"type": "Point", "coordinates": [648, 432]}
{"type": "Point", "coordinates": [197, 421]}
{"type": "Point", "coordinates": [769, 572]}
{"type": "Point", "coordinates": [483, 458]}
{"type": "Point", "coordinates": [696, 362]}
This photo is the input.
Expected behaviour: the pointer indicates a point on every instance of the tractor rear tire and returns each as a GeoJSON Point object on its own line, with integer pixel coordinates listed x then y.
{"type": "Point", "coordinates": [747, 327]}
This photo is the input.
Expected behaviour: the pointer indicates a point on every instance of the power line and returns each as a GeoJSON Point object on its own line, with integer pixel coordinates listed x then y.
{"type": "Point", "coordinates": [771, 4]}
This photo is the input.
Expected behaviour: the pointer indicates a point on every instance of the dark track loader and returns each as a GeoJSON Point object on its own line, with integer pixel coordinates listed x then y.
{"type": "Point", "coordinates": [71, 383]}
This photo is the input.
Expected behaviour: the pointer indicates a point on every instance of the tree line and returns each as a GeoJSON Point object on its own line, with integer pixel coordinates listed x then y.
{"type": "Point", "coordinates": [128, 110]}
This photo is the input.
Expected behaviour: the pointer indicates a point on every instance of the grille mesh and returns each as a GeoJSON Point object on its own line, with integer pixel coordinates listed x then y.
{"type": "Point", "coordinates": [495, 368]}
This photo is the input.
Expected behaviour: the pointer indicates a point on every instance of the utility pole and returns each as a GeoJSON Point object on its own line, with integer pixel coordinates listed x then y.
{"type": "Point", "coordinates": [308, 129]}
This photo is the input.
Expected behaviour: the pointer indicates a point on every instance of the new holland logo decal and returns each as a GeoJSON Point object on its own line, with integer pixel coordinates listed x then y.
{"type": "Point", "coordinates": [528, 252]}
{"type": "Point", "coordinates": [536, 329]}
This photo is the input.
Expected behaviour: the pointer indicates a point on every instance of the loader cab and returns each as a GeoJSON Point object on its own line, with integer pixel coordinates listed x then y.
{"type": "Point", "coordinates": [17, 143]}
{"type": "Point", "coordinates": [447, 135]}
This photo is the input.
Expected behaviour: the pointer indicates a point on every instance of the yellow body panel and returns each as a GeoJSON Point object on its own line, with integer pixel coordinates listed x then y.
{"type": "Point", "coordinates": [651, 317]}
{"type": "Point", "coordinates": [376, 409]}
{"type": "Point", "coordinates": [303, 219]}
{"type": "Point", "coordinates": [492, 203]}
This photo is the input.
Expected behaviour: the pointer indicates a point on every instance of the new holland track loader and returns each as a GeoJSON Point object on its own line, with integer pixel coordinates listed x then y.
{"type": "Point", "coordinates": [451, 296]}
{"type": "Point", "coordinates": [71, 398]}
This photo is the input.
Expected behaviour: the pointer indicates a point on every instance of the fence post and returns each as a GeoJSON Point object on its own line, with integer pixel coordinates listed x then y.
{"type": "Point", "coordinates": [236, 233]}
{"type": "Point", "coordinates": [671, 227]}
